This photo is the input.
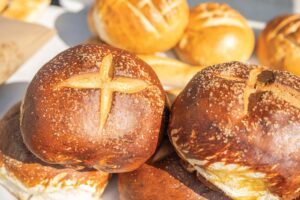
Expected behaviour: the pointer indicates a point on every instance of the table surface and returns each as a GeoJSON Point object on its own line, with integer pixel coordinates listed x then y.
{"type": "Point", "coordinates": [70, 24]}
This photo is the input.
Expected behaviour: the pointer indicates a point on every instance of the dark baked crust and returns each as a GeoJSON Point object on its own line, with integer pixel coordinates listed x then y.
{"type": "Point", "coordinates": [165, 180]}
{"type": "Point", "coordinates": [242, 114]}
{"type": "Point", "coordinates": [174, 166]}
{"type": "Point", "coordinates": [61, 123]}
{"type": "Point", "coordinates": [23, 166]}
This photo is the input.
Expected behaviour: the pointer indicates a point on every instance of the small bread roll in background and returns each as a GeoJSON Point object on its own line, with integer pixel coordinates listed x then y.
{"type": "Point", "coordinates": [216, 33]}
{"type": "Point", "coordinates": [278, 44]}
{"type": "Point", "coordinates": [141, 26]}
{"type": "Point", "coordinates": [238, 125]}
{"type": "Point", "coordinates": [85, 108]}
{"type": "Point", "coordinates": [26, 10]}
{"type": "Point", "coordinates": [27, 177]}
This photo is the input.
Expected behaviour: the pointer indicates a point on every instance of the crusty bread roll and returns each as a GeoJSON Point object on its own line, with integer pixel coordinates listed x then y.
{"type": "Point", "coordinates": [278, 44]}
{"type": "Point", "coordinates": [238, 125]}
{"type": "Point", "coordinates": [170, 71]}
{"type": "Point", "coordinates": [164, 180]}
{"type": "Point", "coordinates": [26, 10]}
{"type": "Point", "coordinates": [26, 177]}
{"type": "Point", "coordinates": [216, 33]}
{"type": "Point", "coordinates": [141, 26]}
{"type": "Point", "coordinates": [86, 105]}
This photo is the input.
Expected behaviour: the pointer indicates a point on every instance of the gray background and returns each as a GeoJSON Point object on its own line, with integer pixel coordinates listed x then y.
{"type": "Point", "coordinates": [260, 10]}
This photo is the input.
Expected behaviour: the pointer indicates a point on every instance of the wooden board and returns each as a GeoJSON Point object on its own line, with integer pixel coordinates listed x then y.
{"type": "Point", "coordinates": [18, 41]}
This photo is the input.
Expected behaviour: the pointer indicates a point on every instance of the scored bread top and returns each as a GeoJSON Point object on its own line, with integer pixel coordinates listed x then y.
{"type": "Point", "coordinates": [237, 118]}
{"type": "Point", "coordinates": [141, 26]}
{"type": "Point", "coordinates": [215, 14]}
{"type": "Point", "coordinates": [86, 105]}
{"type": "Point", "coordinates": [216, 33]}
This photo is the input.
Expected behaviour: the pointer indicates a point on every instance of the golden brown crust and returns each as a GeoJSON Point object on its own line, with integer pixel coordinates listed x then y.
{"type": "Point", "coordinates": [85, 107]}
{"type": "Point", "coordinates": [24, 9]}
{"type": "Point", "coordinates": [165, 180]}
{"type": "Point", "coordinates": [278, 44]}
{"type": "Point", "coordinates": [145, 26]}
{"type": "Point", "coordinates": [23, 166]}
{"type": "Point", "coordinates": [216, 33]}
{"type": "Point", "coordinates": [241, 117]}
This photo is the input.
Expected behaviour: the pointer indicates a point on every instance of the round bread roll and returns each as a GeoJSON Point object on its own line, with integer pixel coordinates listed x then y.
{"type": "Point", "coordinates": [238, 125]}
{"type": "Point", "coordinates": [164, 180]}
{"type": "Point", "coordinates": [216, 33]}
{"type": "Point", "coordinates": [26, 177]}
{"type": "Point", "coordinates": [141, 26]}
{"type": "Point", "coordinates": [86, 105]}
{"type": "Point", "coordinates": [278, 44]}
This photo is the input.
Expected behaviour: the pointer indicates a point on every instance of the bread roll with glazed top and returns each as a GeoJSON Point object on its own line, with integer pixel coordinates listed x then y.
{"type": "Point", "coordinates": [26, 177]}
{"type": "Point", "coordinates": [86, 105]}
{"type": "Point", "coordinates": [141, 26]}
{"type": "Point", "coordinates": [238, 125]}
{"type": "Point", "coordinates": [278, 44]}
{"type": "Point", "coordinates": [216, 33]}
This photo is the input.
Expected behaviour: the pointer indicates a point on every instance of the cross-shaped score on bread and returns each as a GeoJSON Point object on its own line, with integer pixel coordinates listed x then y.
{"type": "Point", "coordinates": [262, 80]}
{"type": "Point", "coordinates": [107, 84]}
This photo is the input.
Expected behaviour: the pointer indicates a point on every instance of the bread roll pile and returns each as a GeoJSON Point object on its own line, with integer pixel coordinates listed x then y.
{"type": "Point", "coordinates": [233, 131]}
{"type": "Point", "coordinates": [210, 33]}
{"type": "Point", "coordinates": [80, 121]}
{"type": "Point", "coordinates": [27, 177]}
